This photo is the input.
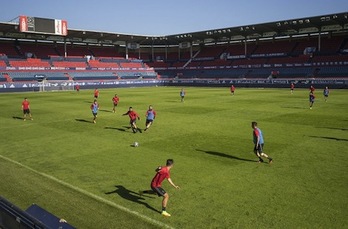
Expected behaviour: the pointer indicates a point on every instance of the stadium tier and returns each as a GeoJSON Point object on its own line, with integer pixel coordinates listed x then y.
{"type": "Point", "coordinates": [257, 54]}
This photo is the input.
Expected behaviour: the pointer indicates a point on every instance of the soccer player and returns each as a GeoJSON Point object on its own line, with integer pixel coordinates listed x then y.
{"type": "Point", "coordinates": [311, 88]}
{"type": "Point", "coordinates": [133, 116]}
{"type": "Point", "coordinates": [311, 99]}
{"type": "Point", "coordinates": [292, 87]}
{"type": "Point", "coordinates": [232, 89]}
{"type": "Point", "coordinates": [115, 101]}
{"type": "Point", "coordinates": [77, 87]}
{"type": "Point", "coordinates": [182, 94]}
{"type": "Point", "coordinates": [95, 108]}
{"type": "Point", "coordinates": [96, 93]}
{"type": "Point", "coordinates": [326, 93]}
{"type": "Point", "coordinates": [162, 173]}
{"type": "Point", "coordinates": [26, 109]}
{"type": "Point", "coordinates": [259, 143]}
{"type": "Point", "coordinates": [150, 116]}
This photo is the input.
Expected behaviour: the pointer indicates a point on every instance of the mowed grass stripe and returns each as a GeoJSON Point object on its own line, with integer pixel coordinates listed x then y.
{"type": "Point", "coordinates": [84, 192]}
{"type": "Point", "coordinates": [209, 137]}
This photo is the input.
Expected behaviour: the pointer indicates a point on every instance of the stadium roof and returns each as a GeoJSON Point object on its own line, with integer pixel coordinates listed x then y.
{"type": "Point", "coordinates": [331, 23]}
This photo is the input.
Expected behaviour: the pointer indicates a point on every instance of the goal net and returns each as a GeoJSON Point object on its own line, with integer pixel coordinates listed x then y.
{"type": "Point", "coordinates": [56, 85]}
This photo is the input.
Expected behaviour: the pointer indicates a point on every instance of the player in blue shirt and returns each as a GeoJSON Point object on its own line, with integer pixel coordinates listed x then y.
{"type": "Point", "coordinates": [95, 108]}
{"type": "Point", "coordinates": [150, 116]}
{"type": "Point", "coordinates": [259, 143]}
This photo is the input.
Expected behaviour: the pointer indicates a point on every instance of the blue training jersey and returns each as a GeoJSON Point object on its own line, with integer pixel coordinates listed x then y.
{"type": "Point", "coordinates": [150, 115]}
{"type": "Point", "coordinates": [258, 132]}
{"type": "Point", "coordinates": [94, 108]}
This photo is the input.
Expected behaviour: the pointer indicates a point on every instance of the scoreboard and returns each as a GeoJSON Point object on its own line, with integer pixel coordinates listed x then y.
{"type": "Point", "coordinates": [43, 25]}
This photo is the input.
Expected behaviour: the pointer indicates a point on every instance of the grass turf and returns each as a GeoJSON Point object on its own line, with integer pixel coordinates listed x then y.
{"type": "Point", "coordinates": [89, 174]}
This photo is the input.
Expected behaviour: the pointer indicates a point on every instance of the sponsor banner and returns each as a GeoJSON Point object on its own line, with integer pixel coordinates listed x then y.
{"type": "Point", "coordinates": [23, 23]}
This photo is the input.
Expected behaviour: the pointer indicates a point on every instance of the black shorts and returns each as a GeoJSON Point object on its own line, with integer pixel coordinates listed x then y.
{"type": "Point", "coordinates": [258, 148]}
{"type": "Point", "coordinates": [149, 121]}
{"type": "Point", "coordinates": [94, 114]}
{"type": "Point", "coordinates": [26, 111]}
{"type": "Point", "coordinates": [115, 104]}
{"type": "Point", "coordinates": [133, 121]}
{"type": "Point", "coordinates": [159, 191]}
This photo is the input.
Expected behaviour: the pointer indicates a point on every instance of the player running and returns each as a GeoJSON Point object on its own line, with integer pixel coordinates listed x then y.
{"type": "Point", "coordinates": [95, 108]}
{"type": "Point", "coordinates": [96, 93]}
{"type": "Point", "coordinates": [232, 89]}
{"type": "Point", "coordinates": [292, 87]}
{"type": "Point", "coordinates": [115, 101]}
{"type": "Point", "coordinates": [162, 173]}
{"type": "Point", "coordinates": [133, 116]}
{"type": "Point", "coordinates": [182, 94]}
{"type": "Point", "coordinates": [259, 143]}
{"type": "Point", "coordinates": [26, 109]}
{"type": "Point", "coordinates": [311, 99]}
{"type": "Point", "coordinates": [326, 93]}
{"type": "Point", "coordinates": [150, 117]}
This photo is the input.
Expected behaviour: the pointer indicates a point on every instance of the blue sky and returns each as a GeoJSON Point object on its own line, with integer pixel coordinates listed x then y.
{"type": "Point", "coordinates": [156, 17]}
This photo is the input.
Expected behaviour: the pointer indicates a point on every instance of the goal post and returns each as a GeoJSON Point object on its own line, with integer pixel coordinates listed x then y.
{"type": "Point", "coordinates": [45, 85]}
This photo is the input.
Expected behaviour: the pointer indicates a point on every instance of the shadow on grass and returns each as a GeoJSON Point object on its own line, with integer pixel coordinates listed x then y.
{"type": "Point", "coordinates": [330, 138]}
{"type": "Point", "coordinates": [334, 128]}
{"type": "Point", "coordinates": [293, 107]}
{"type": "Point", "coordinates": [127, 127]}
{"type": "Point", "coordinates": [131, 196]}
{"type": "Point", "coordinates": [224, 155]}
{"type": "Point", "coordinates": [105, 111]}
{"type": "Point", "coordinates": [83, 120]}
{"type": "Point", "coordinates": [114, 128]}
{"type": "Point", "coordinates": [16, 117]}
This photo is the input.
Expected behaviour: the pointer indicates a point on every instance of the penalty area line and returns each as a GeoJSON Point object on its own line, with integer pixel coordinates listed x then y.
{"type": "Point", "coordinates": [127, 210]}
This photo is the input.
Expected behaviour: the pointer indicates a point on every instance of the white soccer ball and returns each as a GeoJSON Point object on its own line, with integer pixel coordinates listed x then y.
{"type": "Point", "coordinates": [135, 144]}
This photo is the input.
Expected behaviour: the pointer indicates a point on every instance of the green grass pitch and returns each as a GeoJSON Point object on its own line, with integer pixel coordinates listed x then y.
{"type": "Point", "coordinates": [90, 175]}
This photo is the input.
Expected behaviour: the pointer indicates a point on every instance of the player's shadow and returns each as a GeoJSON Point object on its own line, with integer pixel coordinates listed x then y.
{"type": "Point", "coordinates": [330, 138]}
{"type": "Point", "coordinates": [127, 127]}
{"type": "Point", "coordinates": [83, 120]}
{"type": "Point", "coordinates": [293, 107]}
{"type": "Point", "coordinates": [131, 196]}
{"type": "Point", "coordinates": [16, 117]}
{"type": "Point", "coordinates": [114, 128]}
{"type": "Point", "coordinates": [105, 111]}
{"type": "Point", "coordinates": [224, 155]}
{"type": "Point", "coordinates": [334, 128]}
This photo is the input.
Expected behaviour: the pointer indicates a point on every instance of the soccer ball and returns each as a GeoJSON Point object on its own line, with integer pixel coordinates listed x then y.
{"type": "Point", "coordinates": [135, 144]}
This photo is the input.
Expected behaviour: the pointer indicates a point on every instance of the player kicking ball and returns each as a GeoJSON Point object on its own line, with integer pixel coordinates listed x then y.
{"type": "Point", "coordinates": [133, 116]}
{"type": "Point", "coordinates": [162, 173]}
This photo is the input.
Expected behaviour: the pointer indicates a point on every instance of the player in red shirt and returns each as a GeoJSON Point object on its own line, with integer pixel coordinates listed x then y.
{"type": "Point", "coordinates": [26, 109]}
{"type": "Point", "coordinates": [311, 89]}
{"type": "Point", "coordinates": [162, 173]}
{"type": "Point", "coordinates": [133, 116]}
{"type": "Point", "coordinates": [77, 87]}
{"type": "Point", "coordinates": [232, 89]}
{"type": "Point", "coordinates": [115, 101]}
{"type": "Point", "coordinates": [311, 99]}
{"type": "Point", "coordinates": [292, 87]}
{"type": "Point", "coordinates": [96, 93]}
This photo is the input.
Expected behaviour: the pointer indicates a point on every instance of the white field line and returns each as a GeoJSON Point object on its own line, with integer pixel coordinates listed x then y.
{"type": "Point", "coordinates": [127, 210]}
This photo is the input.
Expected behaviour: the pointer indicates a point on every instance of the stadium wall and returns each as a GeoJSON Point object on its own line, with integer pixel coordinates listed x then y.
{"type": "Point", "coordinates": [266, 83]}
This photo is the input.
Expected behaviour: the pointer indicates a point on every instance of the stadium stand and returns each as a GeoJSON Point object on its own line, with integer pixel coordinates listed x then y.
{"type": "Point", "coordinates": [305, 54]}
{"type": "Point", "coordinates": [34, 217]}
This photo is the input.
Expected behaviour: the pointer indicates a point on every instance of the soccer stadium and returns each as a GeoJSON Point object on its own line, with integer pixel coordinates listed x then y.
{"type": "Point", "coordinates": [67, 168]}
